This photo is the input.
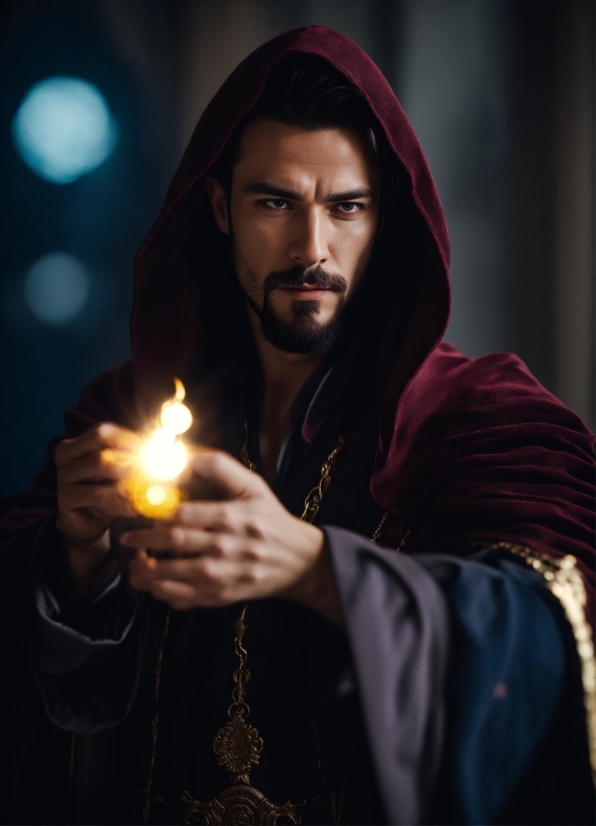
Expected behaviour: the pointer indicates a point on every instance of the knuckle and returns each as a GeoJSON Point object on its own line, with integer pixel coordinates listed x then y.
{"type": "Point", "coordinates": [219, 546]}
{"type": "Point", "coordinates": [209, 573]}
{"type": "Point", "coordinates": [251, 553]}
{"type": "Point", "coordinates": [226, 521]}
{"type": "Point", "coordinates": [255, 527]}
{"type": "Point", "coordinates": [104, 432]}
{"type": "Point", "coordinates": [186, 513]}
{"type": "Point", "coordinates": [251, 577]}
{"type": "Point", "coordinates": [226, 596]}
{"type": "Point", "coordinates": [217, 461]}
{"type": "Point", "coordinates": [175, 537]}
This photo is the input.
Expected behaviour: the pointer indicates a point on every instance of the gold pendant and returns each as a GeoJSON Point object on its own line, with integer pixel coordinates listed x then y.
{"type": "Point", "coordinates": [238, 747]}
{"type": "Point", "coordinates": [239, 805]}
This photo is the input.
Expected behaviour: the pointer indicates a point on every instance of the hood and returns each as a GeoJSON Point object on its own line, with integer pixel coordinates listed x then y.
{"type": "Point", "coordinates": [183, 320]}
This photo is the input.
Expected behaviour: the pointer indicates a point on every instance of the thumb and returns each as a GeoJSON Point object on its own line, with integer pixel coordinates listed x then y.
{"type": "Point", "coordinates": [228, 474]}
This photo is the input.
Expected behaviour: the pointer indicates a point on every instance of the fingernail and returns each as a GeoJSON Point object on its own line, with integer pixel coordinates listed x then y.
{"type": "Point", "coordinates": [151, 563]}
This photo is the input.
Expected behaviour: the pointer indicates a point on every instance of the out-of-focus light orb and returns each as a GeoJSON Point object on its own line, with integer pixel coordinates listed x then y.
{"type": "Point", "coordinates": [64, 129]}
{"type": "Point", "coordinates": [57, 288]}
{"type": "Point", "coordinates": [156, 495]}
{"type": "Point", "coordinates": [163, 457]}
{"type": "Point", "coordinates": [176, 417]}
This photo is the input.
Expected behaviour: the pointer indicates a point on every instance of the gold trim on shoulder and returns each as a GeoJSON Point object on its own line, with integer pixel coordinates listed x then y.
{"type": "Point", "coordinates": [565, 582]}
{"type": "Point", "coordinates": [379, 528]}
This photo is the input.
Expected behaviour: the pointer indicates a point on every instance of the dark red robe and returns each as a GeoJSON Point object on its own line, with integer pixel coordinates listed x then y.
{"type": "Point", "coordinates": [469, 452]}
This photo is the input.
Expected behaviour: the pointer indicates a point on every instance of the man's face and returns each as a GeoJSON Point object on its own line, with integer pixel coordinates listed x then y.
{"type": "Point", "coordinates": [304, 210]}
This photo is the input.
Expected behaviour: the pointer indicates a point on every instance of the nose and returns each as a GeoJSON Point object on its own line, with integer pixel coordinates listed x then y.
{"type": "Point", "coordinates": [309, 247]}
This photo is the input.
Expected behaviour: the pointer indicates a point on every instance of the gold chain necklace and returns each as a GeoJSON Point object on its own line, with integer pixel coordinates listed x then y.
{"type": "Point", "coordinates": [238, 745]}
{"type": "Point", "coordinates": [241, 803]}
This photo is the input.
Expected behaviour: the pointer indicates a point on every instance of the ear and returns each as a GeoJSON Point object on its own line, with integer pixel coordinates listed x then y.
{"type": "Point", "coordinates": [219, 202]}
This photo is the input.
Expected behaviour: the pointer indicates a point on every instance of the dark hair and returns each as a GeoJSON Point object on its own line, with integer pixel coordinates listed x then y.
{"type": "Point", "coordinates": [305, 91]}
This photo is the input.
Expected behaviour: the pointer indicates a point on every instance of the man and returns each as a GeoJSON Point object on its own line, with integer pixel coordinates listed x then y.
{"type": "Point", "coordinates": [397, 519]}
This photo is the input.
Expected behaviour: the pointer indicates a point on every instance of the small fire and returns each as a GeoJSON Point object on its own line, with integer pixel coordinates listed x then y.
{"type": "Point", "coordinates": [162, 458]}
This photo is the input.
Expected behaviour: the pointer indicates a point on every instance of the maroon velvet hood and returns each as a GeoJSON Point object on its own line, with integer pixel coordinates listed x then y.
{"type": "Point", "coordinates": [173, 325]}
{"type": "Point", "coordinates": [469, 450]}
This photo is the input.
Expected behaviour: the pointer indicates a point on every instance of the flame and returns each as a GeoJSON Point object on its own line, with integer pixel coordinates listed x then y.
{"type": "Point", "coordinates": [180, 390]}
{"type": "Point", "coordinates": [163, 455]}
{"type": "Point", "coordinates": [175, 417]}
{"type": "Point", "coordinates": [161, 459]}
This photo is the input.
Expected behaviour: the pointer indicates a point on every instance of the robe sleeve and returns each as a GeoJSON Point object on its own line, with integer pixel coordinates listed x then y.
{"type": "Point", "coordinates": [87, 652]}
{"type": "Point", "coordinates": [459, 666]}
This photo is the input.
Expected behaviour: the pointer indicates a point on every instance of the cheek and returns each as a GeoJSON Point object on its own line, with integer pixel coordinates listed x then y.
{"type": "Point", "coordinates": [354, 245]}
{"type": "Point", "coordinates": [261, 244]}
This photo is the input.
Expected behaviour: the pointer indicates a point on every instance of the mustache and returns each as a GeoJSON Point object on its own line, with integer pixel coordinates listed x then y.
{"type": "Point", "coordinates": [297, 276]}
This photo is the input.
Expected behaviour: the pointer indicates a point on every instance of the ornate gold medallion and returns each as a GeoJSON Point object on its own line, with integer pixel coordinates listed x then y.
{"type": "Point", "coordinates": [238, 745]}
{"type": "Point", "coordinates": [238, 748]}
{"type": "Point", "coordinates": [239, 805]}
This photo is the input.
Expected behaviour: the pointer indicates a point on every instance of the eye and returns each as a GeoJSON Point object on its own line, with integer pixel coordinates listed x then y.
{"type": "Point", "coordinates": [349, 207]}
{"type": "Point", "coordinates": [276, 203]}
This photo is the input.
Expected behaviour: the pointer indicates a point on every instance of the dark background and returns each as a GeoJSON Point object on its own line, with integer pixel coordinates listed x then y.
{"type": "Point", "coordinates": [500, 93]}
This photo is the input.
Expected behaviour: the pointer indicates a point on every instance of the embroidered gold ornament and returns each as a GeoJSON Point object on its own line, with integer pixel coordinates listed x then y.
{"type": "Point", "coordinates": [238, 745]}
{"type": "Point", "coordinates": [238, 748]}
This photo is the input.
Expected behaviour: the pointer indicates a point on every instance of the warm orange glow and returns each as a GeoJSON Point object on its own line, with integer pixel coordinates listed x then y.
{"type": "Point", "coordinates": [156, 495]}
{"type": "Point", "coordinates": [175, 417]}
{"type": "Point", "coordinates": [161, 459]}
{"type": "Point", "coordinates": [163, 456]}
{"type": "Point", "coordinates": [144, 494]}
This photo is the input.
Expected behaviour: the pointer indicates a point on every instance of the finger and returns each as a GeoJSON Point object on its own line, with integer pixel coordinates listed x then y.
{"type": "Point", "coordinates": [94, 467]}
{"type": "Point", "coordinates": [199, 569]}
{"type": "Point", "coordinates": [146, 569]}
{"type": "Point", "coordinates": [178, 595]}
{"type": "Point", "coordinates": [213, 582]}
{"type": "Point", "coordinates": [189, 540]}
{"type": "Point", "coordinates": [100, 436]}
{"type": "Point", "coordinates": [233, 479]}
{"type": "Point", "coordinates": [105, 499]}
{"type": "Point", "coordinates": [210, 516]}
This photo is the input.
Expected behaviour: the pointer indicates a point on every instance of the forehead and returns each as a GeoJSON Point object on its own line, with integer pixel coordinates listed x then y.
{"type": "Point", "coordinates": [269, 147]}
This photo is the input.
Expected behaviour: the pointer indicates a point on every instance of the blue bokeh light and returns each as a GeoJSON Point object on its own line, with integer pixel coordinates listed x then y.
{"type": "Point", "coordinates": [64, 129]}
{"type": "Point", "coordinates": [56, 288]}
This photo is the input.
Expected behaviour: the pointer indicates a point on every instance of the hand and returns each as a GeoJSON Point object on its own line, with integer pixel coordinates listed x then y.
{"type": "Point", "coordinates": [89, 468]}
{"type": "Point", "coordinates": [245, 547]}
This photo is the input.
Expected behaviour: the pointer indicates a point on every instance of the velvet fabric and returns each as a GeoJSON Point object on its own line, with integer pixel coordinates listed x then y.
{"type": "Point", "coordinates": [469, 451]}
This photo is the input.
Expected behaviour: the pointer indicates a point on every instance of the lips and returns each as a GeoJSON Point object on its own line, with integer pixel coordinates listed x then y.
{"type": "Point", "coordinates": [306, 292]}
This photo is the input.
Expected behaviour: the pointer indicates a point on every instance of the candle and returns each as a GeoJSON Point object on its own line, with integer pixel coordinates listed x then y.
{"type": "Point", "coordinates": [162, 457]}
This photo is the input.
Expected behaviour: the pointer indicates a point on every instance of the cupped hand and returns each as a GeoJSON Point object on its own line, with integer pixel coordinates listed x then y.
{"type": "Point", "coordinates": [89, 469]}
{"type": "Point", "coordinates": [246, 546]}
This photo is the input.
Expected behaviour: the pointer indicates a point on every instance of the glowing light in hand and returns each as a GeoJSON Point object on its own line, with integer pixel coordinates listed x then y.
{"type": "Point", "coordinates": [156, 495]}
{"type": "Point", "coordinates": [176, 417]}
{"type": "Point", "coordinates": [162, 457]}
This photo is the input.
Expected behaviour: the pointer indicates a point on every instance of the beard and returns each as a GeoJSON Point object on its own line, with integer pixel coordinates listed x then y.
{"type": "Point", "coordinates": [303, 333]}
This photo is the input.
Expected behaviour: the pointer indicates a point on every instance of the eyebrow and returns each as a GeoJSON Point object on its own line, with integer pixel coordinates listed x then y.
{"type": "Point", "coordinates": [264, 188]}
